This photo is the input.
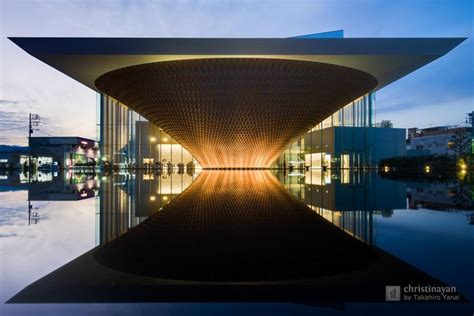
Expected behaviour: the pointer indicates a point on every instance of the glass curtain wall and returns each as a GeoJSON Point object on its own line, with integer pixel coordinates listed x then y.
{"type": "Point", "coordinates": [324, 146]}
{"type": "Point", "coordinates": [129, 140]}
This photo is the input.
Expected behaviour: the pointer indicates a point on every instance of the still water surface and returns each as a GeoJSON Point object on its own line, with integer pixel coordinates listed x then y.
{"type": "Point", "coordinates": [59, 217]}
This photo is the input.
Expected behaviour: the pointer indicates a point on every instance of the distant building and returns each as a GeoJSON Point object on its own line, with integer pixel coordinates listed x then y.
{"type": "Point", "coordinates": [64, 151]}
{"type": "Point", "coordinates": [49, 152]}
{"type": "Point", "coordinates": [438, 140]}
{"type": "Point", "coordinates": [10, 156]}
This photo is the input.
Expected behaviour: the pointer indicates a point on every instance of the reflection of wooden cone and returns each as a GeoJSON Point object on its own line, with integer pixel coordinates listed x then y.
{"type": "Point", "coordinates": [235, 225]}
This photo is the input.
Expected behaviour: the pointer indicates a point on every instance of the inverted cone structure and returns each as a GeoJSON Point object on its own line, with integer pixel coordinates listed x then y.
{"type": "Point", "coordinates": [235, 112]}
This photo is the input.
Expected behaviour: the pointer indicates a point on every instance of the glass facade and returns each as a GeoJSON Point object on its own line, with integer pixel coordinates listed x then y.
{"type": "Point", "coordinates": [129, 140]}
{"type": "Point", "coordinates": [347, 139]}
{"type": "Point", "coordinates": [322, 147]}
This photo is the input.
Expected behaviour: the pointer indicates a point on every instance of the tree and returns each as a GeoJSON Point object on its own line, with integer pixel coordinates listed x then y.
{"type": "Point", "coordinates": [386, 124]}
{"type": "Point", "coordinates": [460, 143]}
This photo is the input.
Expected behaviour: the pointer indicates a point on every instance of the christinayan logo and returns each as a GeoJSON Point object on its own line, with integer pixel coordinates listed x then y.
{"type": "Point", "coordinates": [392, 293]}
{"type": "Point", "coordinates": [421, 293]}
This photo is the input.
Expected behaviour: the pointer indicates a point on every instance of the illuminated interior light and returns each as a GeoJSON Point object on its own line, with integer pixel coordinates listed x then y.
{"type": "Point", "coordinates": [246, 127]}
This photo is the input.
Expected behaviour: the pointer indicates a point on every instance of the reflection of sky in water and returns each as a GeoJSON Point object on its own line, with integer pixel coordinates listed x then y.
{"type": "Point", "coordinates": [65, 230]}
{"type": "Point", "coordinates": [439, 243]}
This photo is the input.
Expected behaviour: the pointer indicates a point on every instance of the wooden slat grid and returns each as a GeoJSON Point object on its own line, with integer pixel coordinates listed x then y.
{"type": "Point", "coordinates": [234, 226]}
{"type": "Point", "coordinates": [235, 112]}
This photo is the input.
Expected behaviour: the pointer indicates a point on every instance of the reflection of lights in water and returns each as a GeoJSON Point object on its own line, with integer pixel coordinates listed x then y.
{"type": "Point", "coordinates": [386, 169]}
{"type": "Point", "coordinates": [232, 224]}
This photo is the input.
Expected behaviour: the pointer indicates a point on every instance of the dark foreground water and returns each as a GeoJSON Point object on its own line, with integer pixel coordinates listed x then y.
{"type": "Point", "coordinates": [322, 243]}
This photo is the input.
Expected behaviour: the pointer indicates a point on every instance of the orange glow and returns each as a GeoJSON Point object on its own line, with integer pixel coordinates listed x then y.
{"type": "Point", "coordinates": [235, 112]}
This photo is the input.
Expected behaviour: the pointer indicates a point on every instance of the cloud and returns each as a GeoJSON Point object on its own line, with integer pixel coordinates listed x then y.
{"type": "Point", "coordinates": [433, 113]}
{"type": "Point", "coordinates": [15, 102]}
{"type": "Point", "coordinates": [67, 103]}
{"type": "Point", "coordinates": [65, 231]}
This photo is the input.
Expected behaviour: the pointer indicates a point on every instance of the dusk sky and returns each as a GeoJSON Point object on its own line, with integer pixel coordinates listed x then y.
{"type": "Point", "coordinates": [440, 93]}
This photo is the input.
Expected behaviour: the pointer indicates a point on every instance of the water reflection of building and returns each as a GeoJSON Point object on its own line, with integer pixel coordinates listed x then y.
{"type": "Point", "coordinates": [349, 200]}
{"type": "Point", "coordinates": [127, 199]}
{"type": "Point", "coordinates": [50, 186]}
{"type": "Point", "coordinates": [10, 181]}
{"type": "Point", "coordinates": [441, 196]}
{"type": "Point", "coordinates": [63, 186]}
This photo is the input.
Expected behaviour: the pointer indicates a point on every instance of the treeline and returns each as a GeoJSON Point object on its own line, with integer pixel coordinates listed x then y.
{"type": "Point", "coordinates": [426, 164]}
{"type": "Point", "coordinates": [437, 168]}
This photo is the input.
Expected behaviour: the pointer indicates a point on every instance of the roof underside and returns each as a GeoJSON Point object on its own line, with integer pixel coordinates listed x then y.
{"type": "Point", "coordinates": [386, 59]}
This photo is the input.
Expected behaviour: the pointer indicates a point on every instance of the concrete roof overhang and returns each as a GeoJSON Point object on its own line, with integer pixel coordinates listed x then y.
{"type": "Point", "coordinates": [386, 59]}
{"type": "Point", "coordinates": [236, 103]}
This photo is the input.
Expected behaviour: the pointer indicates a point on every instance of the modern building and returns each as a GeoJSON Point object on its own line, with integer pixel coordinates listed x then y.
{"type": "Point", "coordinates": [52, 152]}
{"type": "Point", "coordinates": [64, 151]}
{"type": "Point", "coordinates": [240, 102]}
{"type": "Point", "coordinates": [440, 140]}
{"type": "Point", "coordinates": [10, 156]}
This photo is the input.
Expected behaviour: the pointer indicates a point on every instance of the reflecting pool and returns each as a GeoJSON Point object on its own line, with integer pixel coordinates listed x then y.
{"type": "Point", "coordinates": [304, 242]}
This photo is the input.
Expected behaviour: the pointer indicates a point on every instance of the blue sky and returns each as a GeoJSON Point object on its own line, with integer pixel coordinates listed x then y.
{"type": "Point", "coordinates": [441, 93]}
